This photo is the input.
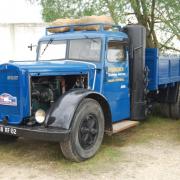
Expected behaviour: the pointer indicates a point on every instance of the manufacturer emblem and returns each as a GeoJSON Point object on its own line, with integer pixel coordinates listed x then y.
{"type": "Point", "coordinates": [13, 78]}
{"type": "Point", "coordinates": [7, 99]}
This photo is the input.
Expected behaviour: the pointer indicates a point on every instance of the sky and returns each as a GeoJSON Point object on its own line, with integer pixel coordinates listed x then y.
{"type": "Point", "coordinates": [19, 11]}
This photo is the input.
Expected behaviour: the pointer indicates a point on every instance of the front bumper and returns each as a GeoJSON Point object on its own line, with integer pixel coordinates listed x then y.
{"type": "Point", "coordinates": [36, 132]}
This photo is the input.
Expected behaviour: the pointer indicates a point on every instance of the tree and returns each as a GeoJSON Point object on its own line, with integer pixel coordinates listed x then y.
{"type": "Point", "coordinates": [53, 9]}
{"type": "Point", "coordinates": [169, 13]}
{"type": "Point", "coordinates": [159, 17]}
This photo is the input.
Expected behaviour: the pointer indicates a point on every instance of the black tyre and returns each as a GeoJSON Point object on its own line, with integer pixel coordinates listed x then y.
{"type": "Point", "coordinates": [175, 108]}
{"type": "Point", "coordinates": [165, 109]}
{"type": "Point", "coordinates": [8, 138]}
{"type": "Point", "coordinates": [87, 132]}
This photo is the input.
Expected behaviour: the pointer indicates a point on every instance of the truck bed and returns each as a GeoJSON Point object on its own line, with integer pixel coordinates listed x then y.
{"type": "Point", "coordinates": [163, 70]}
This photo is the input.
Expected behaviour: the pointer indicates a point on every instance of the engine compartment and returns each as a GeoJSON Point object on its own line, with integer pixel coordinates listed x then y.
{"type": "Point", "coordinates": [46, 90]}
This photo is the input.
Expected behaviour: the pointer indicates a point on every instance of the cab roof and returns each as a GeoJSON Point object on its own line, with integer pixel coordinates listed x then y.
{"type": "Point", "coordinates": [116, 32]}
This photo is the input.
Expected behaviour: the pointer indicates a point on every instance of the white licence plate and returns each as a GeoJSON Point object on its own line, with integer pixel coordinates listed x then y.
{"type": "Point", "coordinates": [8, 130]}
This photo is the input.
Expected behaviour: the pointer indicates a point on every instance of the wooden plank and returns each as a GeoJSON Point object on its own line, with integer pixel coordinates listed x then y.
{"type": "Point", "coordinates": [123, 125]}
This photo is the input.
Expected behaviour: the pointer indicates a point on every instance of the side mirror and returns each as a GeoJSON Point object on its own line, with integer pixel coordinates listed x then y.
{"type": "Point", "coordinates": [31, 46]}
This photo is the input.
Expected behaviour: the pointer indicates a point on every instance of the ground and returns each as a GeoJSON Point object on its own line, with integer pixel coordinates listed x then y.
{"type": "Point", "coordinates": [150, 151]}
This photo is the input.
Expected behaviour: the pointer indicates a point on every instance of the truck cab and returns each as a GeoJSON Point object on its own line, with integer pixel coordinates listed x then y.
{"type": "Point", "coordinates": [106, 55]}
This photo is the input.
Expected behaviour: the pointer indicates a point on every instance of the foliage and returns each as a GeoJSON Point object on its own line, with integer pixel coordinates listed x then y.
{"type": "Point", "coordinates": [53, 9]}
{"type": "Point", "coordinates": [160, 17]}
{"type": "Point", "coordinates": [168, 13]}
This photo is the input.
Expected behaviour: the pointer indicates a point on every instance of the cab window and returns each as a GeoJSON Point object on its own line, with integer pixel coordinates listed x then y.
{"type": "Point", "coordinates": [116, 51]}
{"type": "Point", "coordinates": [85, 49]}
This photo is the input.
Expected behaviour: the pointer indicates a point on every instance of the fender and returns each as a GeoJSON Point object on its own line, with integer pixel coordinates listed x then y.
{"type": "Point", "coordinates": [61, 113]}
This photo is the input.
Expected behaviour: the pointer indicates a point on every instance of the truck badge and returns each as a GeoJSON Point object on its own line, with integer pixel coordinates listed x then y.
{"type": "Point", "coordinates": [7, 99]}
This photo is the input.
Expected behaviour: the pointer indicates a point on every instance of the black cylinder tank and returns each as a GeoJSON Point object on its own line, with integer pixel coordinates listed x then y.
{"type": "Point", "coordinates": [137, 45]}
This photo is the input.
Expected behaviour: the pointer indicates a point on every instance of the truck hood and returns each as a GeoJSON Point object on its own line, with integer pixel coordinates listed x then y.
{"type": "Point", "coordinates": [15, 86]}
{"type": "Point", "coordinates": [55, 67]}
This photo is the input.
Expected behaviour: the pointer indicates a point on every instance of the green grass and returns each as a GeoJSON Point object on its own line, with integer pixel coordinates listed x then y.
{"type": "Point", "coordinates": [35, 153]}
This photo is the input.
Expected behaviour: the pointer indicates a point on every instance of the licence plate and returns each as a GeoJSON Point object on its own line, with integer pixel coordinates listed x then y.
{"type": "Point", "coordinates": [8, 130]}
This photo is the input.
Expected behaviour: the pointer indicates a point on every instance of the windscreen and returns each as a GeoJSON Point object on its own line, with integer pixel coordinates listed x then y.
{"type": "Point", "coordinates": [52, 50]}
{"type": "Point", "coordinates": [85, 49]}
{"type": "Point", "coordinates": [76, 49]}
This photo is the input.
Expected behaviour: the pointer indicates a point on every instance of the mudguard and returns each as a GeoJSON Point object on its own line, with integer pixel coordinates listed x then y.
{"type": "Point", "coordinates": [61, 112]}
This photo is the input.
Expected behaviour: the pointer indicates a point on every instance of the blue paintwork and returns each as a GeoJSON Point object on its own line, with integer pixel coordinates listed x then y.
{"type": "Point", "coordinates": [117, 93]}
{"type": "Point", "coordinates": [17, 88]}
{"type": "Point", "coordinates": [164, 71]}
{"type": "Point", "coordinates": [100, 80]}
{"type": "Point", "coordinates": [169, 70]}
{"type": "Point", "coordinates": [118, 98]}
{"type": "Point", "coordinates": [152, 64]}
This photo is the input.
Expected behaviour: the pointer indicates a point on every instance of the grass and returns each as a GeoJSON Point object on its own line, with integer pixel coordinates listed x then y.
{"type": "Point", "coordinates": [38, 153]}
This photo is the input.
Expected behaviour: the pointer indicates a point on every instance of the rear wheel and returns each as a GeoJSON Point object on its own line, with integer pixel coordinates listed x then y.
{"type": "Point", "coordinates": [165, 109]}
{"type": "Point", "coordinates": [175, 108]}
{"type": "Point", "coordinates": [87, 132]}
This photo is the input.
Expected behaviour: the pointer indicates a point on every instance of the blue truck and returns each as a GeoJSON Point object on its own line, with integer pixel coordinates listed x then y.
{"type": "Point", "coordinates": [84, 84]}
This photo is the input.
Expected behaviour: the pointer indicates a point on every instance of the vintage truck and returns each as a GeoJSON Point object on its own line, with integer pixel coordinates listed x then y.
{"type": "Point", "coordinates": [84, 84]}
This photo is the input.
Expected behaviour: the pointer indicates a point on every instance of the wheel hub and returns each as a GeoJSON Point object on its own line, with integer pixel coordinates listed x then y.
{"type": "Point", "coordinates": [88, 131]}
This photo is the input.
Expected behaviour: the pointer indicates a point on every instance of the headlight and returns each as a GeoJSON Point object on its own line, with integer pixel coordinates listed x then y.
{"type": "Point", "coordinates": [40, 116]}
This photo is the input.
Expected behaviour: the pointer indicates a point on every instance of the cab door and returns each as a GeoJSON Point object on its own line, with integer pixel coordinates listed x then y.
{"type": "Point", "coordinates": [116, 80]}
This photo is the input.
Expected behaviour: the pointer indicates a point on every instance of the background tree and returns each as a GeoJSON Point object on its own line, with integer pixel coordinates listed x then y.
{"type": "Point", "coordinates": [161, 18]}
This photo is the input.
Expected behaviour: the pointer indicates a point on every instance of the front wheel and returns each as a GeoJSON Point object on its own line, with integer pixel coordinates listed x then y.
{"type": "Point", "coordinates": [86, 133]}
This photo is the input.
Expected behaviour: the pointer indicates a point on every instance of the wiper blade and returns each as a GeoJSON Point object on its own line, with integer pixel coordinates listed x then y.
{"type": "Point", "coordinates": [49, 42]}
{"type": "Point", "coordinates": [92, 39]}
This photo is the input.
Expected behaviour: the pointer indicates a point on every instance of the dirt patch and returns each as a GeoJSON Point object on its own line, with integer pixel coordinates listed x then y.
{"type": "Point", "coordinates": [151, 151]}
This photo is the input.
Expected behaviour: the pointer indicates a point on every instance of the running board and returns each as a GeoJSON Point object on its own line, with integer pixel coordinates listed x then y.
{"type": "Point", "coordinates": [123, 125]}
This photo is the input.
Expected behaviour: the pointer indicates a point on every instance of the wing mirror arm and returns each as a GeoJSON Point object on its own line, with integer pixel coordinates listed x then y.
{"type": "Point", "coordinates": [31, 46]}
